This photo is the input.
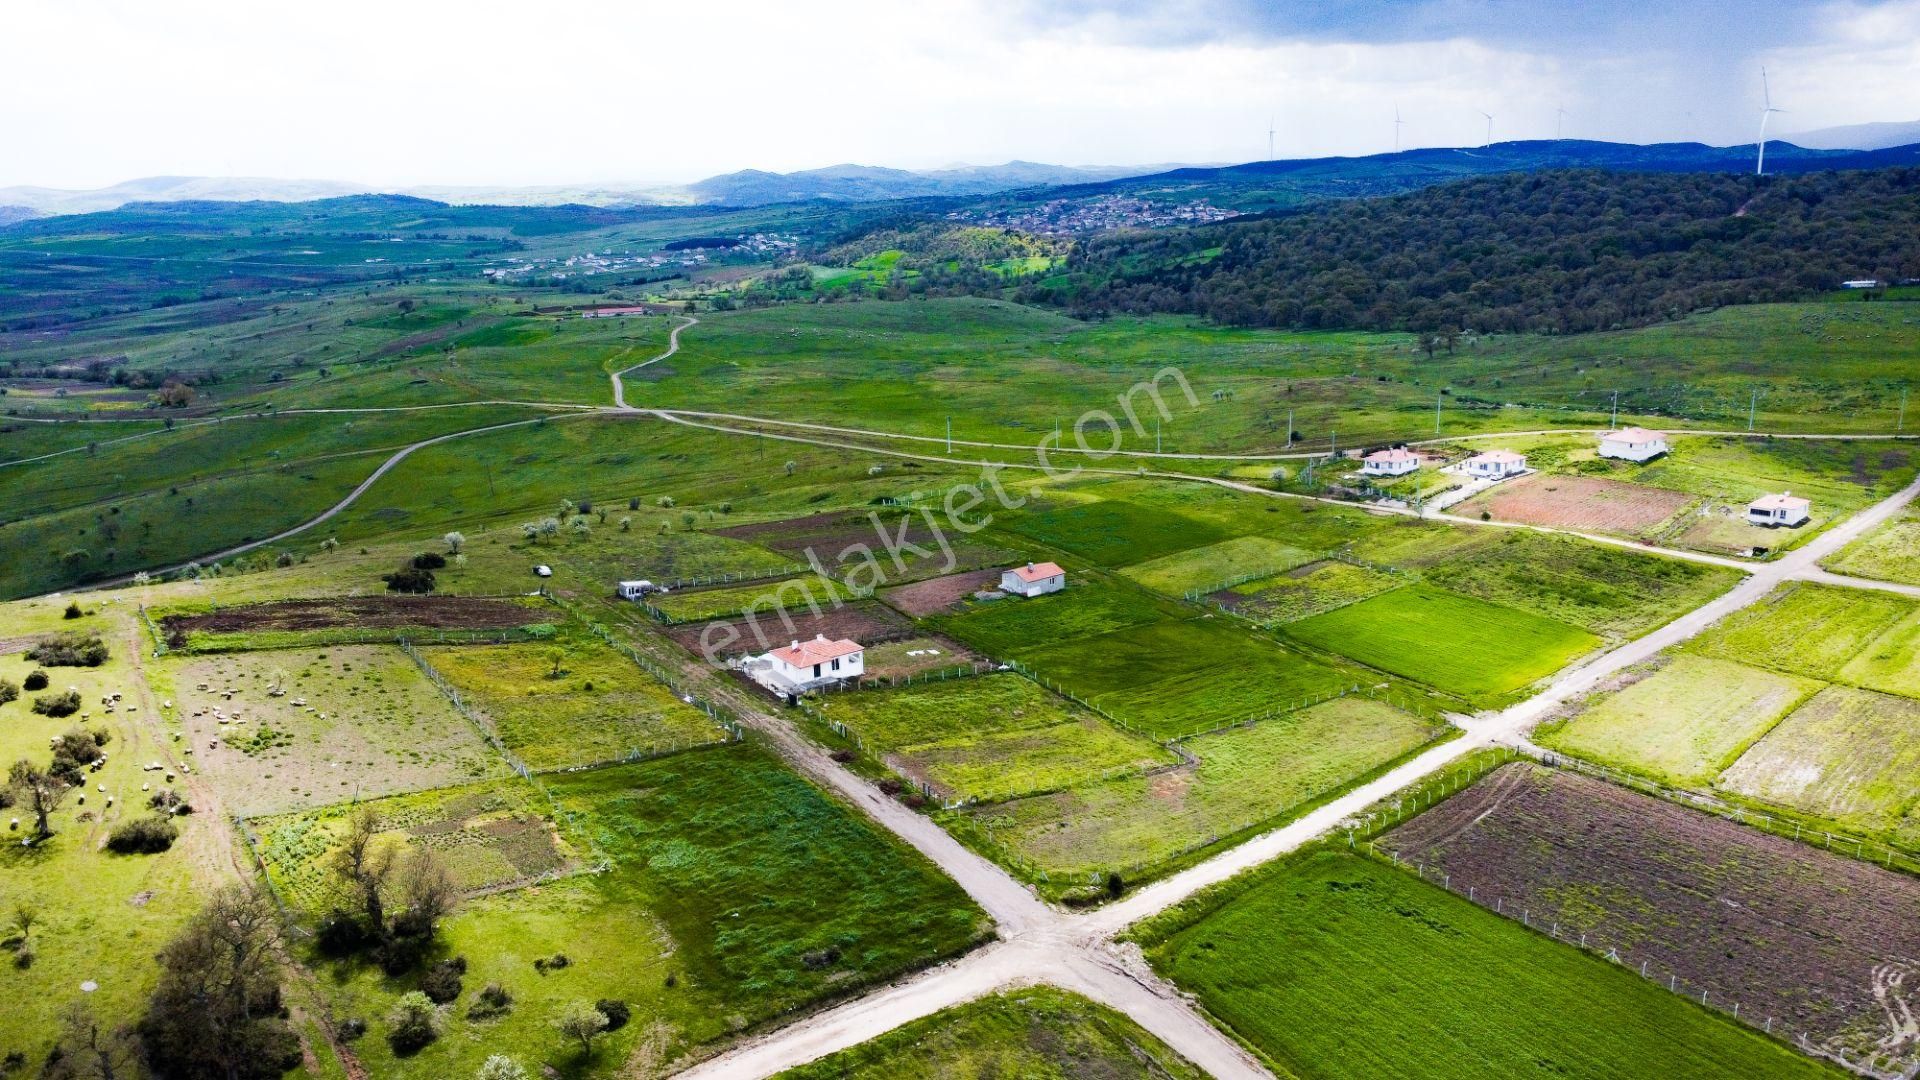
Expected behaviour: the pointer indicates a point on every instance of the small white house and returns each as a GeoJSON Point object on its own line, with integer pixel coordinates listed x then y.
{"type": "Point", "coordinates": [1861, 283]}
{"type": "Point", "coordinates": [1034, 579]}
{"type": "Point", "coordinates": [1495, 465]}
{"type": "Point", "coordinates": [634, 590]}
{"type": "Point", "coordinates": [543, 570]}
{"type": "Point", "coordinates": [1397, 461]}
{"type": "Point", "coordinates": [804, 665]}
{"type": "Point", "coordinates": [1633, 444]}
{"type": "Point", "coordinates": [1777, 510]}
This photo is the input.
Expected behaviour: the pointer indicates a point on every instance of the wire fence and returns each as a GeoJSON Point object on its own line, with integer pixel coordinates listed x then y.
{"type": "Point", "coordinates": [159, 639]}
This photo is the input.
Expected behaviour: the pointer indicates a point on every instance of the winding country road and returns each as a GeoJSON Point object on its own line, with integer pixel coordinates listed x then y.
{"type": "Point", "coordinates": [673, 346]}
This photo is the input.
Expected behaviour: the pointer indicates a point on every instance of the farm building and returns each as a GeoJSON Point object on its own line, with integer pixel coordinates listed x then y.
{"type": "Point", "coordinates": [1782, 509]}
{"type": "Point", "coordinates": [1034, 579]}
{"type": "Point", "coordinates": [1495, 465]}
{"type": "Point", "coordinates": [634, 590]}
{"type": "Point", "coordinates": [1633, 444]}
{"type": "Point", "coordinates": [612, 312]}
{"type": "Point", "coordinates": [1861, 283]}
{"type": "Point", "coordinates": [804, 665]}
{"type": "Point", "coordinates": [1398, 461]}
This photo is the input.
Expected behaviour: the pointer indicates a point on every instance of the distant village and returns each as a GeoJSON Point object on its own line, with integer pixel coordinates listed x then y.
{"type": "Point", "coordinates": [1063, 217]}
{"type": "Point", "coordinates": [753, 247]}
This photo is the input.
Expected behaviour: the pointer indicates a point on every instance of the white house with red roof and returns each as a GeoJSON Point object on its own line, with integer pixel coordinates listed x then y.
{"type": "Point", "coordinates": [804, 665]}
{"type": "Point", "coordinates": [1495, 465]}
{"type": "Point", "coordinates": [1785, 509]}
{"type": "Point", "coordinates": [1034, 579]}
{"type": "Point", "coordinates": [1396, 461]}
{"type": "Point", "coordinates": [1633, 444]}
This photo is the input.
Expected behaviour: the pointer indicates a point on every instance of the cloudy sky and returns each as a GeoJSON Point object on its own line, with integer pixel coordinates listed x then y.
{"type": "Point", "coordinates": [400, 92]}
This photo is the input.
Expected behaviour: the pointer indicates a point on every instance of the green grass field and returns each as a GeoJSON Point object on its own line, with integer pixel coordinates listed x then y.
{"type": "Point", "coordinates": [1334, 966]}
{"type": "Point", "coordinates": [1848, 756]}
{"type": "Point", "coordinates": [1480, 651]}
{"type": "Point", "coordinates": [702, 604]}
{"type": "Point", "coordinates": [1037, 1033]}
{"type": "Point", "coordinates": [1685, 723]}
{"type": "Point", "coordinates": [1307, 591]}
{"type": "Point", "coordinates": [1210, 566]}
{"type": "Point", "coordinates": [1246, 777]}
{"type": "Point", "coordinates": [1805, 629]}
{"type": "Point", "coordinates": [1890, 552]}
{"type": "Point", "coordinates": [1017, 626]}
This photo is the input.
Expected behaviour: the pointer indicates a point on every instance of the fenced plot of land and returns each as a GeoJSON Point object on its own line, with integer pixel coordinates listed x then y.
{"type": "Point", "coordinates": [1848, 755]}
{"type": "Point", "coordinates": [490, 836]}
{"type": "Point", "coordinates": [1889, 553]}
{"type": "Point", "coordinates": [1305, 591]}
{"type": "Point", "coordinates": [700, 604]}
{"type": "Point", "coordinates": [1454, 643]}
{"type": "Point", "coordinates": [1334, 966]}
{"type": "Point", "coordinates": [898, 661]}
{"type": "Point", "coordinates": [292, 619]}
{"type": "Point", "coordinates": [1111, 532]}
{"type": "Point", "coordinates": [1587, 503]}
{"type": "Point", "coordinates": [1245, 777]}
{"type": "Point", "coordinates": [1826, 945]}
{"type": "Point", "coordinates": [1014, 625]}
{"type": "Point", "coordinates": [575, 702]}
{"type": "Point", "coordinates": [352, 719]}
{"type": "Point", "coordinates": [937, 595]}
{"type": "Point", "coordinates": [865, 621]}
{"type": "Point", "coordinates": [1805, 629]}
{"type": "Point", "coordinates": [1211, 566]}
{"type": "Point", "coordinates": [904, 545]}
{"type": "Point", "coordinates": [1890, 662]}
{"type": "Point", "coordinates": [1685, 723]}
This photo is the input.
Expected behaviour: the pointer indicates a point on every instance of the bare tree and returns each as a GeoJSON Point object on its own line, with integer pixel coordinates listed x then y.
{"type": "Point", "coordinates": [365, 862]}
{"type": "Point", "coordinates": [90, 1052]}
{"type": "Point", "coordinates": [215, 1013]}
{"type": "Point", "coordinates": [427, 893]}
{"type": "Point", "coordinates": [39, 791]}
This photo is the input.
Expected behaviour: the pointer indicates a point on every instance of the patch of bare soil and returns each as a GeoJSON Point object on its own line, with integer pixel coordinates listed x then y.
{"type": "Point", "coordinates": [435, 612]}
{"type": "Point", "coordinates": [941, 594]}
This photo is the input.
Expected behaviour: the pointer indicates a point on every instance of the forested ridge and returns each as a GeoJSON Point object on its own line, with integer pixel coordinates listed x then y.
{"type": "Point", "coordinates": [1554, 252]}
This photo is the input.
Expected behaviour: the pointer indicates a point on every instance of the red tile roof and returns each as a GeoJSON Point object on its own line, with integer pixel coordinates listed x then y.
{"type": "Point", "coordinates": [1038, 571]}
{"type": "Point", "coordinates": [817, 651]}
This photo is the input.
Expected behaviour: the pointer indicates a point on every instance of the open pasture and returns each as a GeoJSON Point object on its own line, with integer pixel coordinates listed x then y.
{"type": "Point", "coordinates": [1480, 651]}
{"type": "Point", "coordinates": [1086, 608]}
{"type": "Point", "coordinates": [572, 702]}
{"type": "Point", "coordinates": [1035, 1033]}
{"type": "Point", "coordinates": [1805, 629]}
{"type": "Point", "coordinates": [288, 622]}
{"type": "Point", "coordinates": [1684, 723]}
{"type": "Point", "coordinates": [1581, 503]}
{"type": "Point", "coordinates": [699, 605]}
{"type": "Point", "coordinates": [1891, 552]}
{"type": "Point", "coordinates": [1847, 755]}
{"type": "Point", "coordinates": [1208, 567]}
{"type": "Point", "coordinates": [1245, 777]}
{"type": "Point", "coordinates": [277, 731]}
{"type": "Point", "coordinates": [736, 892]}
{"type": "Point", "coordinates": [1814, 940]}
{"type": "Point", "coordinates": [1108, 532]}
{"type": "Point", "coordinates": [1612, 592]}
{"type": "Point", "coordinates": [865, 621]}
{"type": "Point", "coordinates": [1334, 966]}
{"type": "Point", "coordinates": [1305, 591]}
{"type": "Point", "coordinates": [491, 836]}
{"type": "Point", "coordinates": [875, 547]}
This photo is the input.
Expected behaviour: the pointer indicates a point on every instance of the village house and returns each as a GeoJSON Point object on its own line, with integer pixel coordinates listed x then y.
{"type": "Point", "coordinates": [1633, 444]}
{"type": "Point", "coordinates": [1776, 510]}
{"type": "Point", "coordinates": [1398, 461]}
{"type": "Point", "coordinates": [804, 665]}
{"type": "Point", "coordinates": [634, 590]}
{"type": "Point", "coordinates": [1034, 579]}
{"type": "Point", "coordinates": [1495, 465]}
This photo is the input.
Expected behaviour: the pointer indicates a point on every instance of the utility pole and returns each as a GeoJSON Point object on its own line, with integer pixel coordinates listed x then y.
{"type": "Point", "coordinates": [1333, 444]}
{"type": "Point", "coordinates": [1753, 407]}
{"type": "Point", "coordinates": [949, 434]}
{"type": "Point", "coordinates": [1436, 412]}
{"type": "Point", "coordinates": [1156, 436]}
{"type": "Point", "coordinates": [1900, 424]}
{"type": "Point", "coordinates": [1289, 429]}
{"type": "Point", "coordinates": [1616, 409]}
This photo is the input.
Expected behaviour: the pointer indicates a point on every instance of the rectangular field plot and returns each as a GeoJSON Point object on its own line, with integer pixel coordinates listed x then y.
{"type": "Point", "coordinates": [348, 720]}
{"type": "Point", "coordinates": [293, 622]}
{"type": "Point", "coordinates": [1585, 503]}
{"type": "Point", "coordinates": [699, 604]}
{"type": "Point", "coordinates": [1456, 644]}
{"type": "Point", "coordinates": [1015, 626]}
{"type": "Point", "coordinates": [489, 834]}
{"type": "Point", "coordinates": [570, 702]}
{"type": "Point", "coordinates": [1213, 565]}
{"type": "Point", "coordinates": [867, 621]}
{"type": "Point", "coordinates": [1890, 552]}
{"type": "Point", "coordinates": [1110, 533]}
{"type": "Point", "coordinates": [1609, 591]}
{"type": "Point", "coordinates": [1684, 723]}
{"type": "Point", "coordinates": [735, 892]}
{"type": "Point", "coordinates": [1333, 967]}
{"type": "Point", "coordinates": [1305, 591]}
{"type": "Point", "coordinates": [905, 545]}
{"type": "Point", "coordinates": [1805, 629]}
{"type": "Point", "coordinates": [897, 661]}
{"type": "Point", "coordinates": [1851, 756]}
{"type": "Point", "coordinates": [934, 596]}
{"type": "Point", "coordinates": [1037, 1032]}
{"type": "Point", "coordinates": [1824, 945]}
{"type": "Point", "coordinates": [1890, 662]}
{"type": "Point", "coordinates": [1171, 679]}
{"type": "Point", "coordinates": [1245, 777]}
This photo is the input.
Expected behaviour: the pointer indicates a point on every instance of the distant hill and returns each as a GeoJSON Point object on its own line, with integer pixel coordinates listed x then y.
{"type": "Point", "coordinates": [1860, 136]}
{"type": "Point", "coordinates": [174, 189]}
{"type": "Point", "coordinates": [11, 214]}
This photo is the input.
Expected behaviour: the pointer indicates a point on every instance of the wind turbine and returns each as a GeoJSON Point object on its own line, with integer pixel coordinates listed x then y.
{"type": "Point", "coordinates": [1270, 138]}
{"type": "Point", "coordinates": [1559, 121]}
{"type": "Point", "coordinates": [1767, 110]}
{"type": "Point", "coordinates": [1489, 117]}
{"type": "Point", "coordinates": [1397, 125]}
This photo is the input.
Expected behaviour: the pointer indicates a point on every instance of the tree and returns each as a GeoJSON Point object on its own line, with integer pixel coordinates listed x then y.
{"type": "Point", "coordinates": [9, 691]}
{"type": "Point", "coordinates": [626, 524]}
{"type": "Point", "coordinates": [87, 1052]}
{"type": "Point", "coordinates": [413, 1022]}
{"type": "Point", "coordinates": [792, 465]}
{"type": "Point", "coordinates": [453, 541]}
{"type": "Point", "coordinates": [364, 862]}
{"type": "Point", "coordinates": [427, 894]}
{"type": "Point", "coordinates": [39, 791]}
{"type": "Point", "coordinates": [687, 518]}
{"type": "Point", "coordinates": [580, 1021]}
{"type": "Point", "coordinates": [501, 1067]}
{"type": "Point", "coordinates": [215, 1014]}
{"type": "Point", "coordinates": [26, 915]}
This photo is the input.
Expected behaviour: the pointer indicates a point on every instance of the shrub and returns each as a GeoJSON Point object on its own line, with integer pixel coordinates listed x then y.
{"type": "Point", "coordinates": [500, 1067]}
{"type": "Point", "coordinates": [65, 703]}
{"type": "Point", "coordinates": [617, 1012]}
{"type": "Point", "coordinates": [149, 835]}
{"type": "Point", "coordinates": [556, 962]}
{"type": "Point", "coordinates": [9, 691]}
{"type": "Point", "coordinates": [73, 610]}
{"type": "Point", "coordinates": [493, 1000]}
{"type": "Point", "coordinates": [429, 560]}
{"type": "Point", "coordinates": [409, 580]}
{"type": "Point", "coordinates": [353, 1027]}
{"type": "Point", "coordinates": [170, 802]}
{"type": "Point", "coordinates": [70, 650]}
{"type": "Point", "coordinates": [35, 680]}
{"type": "Point", "coordinates": [441, 983]}
{"type": "Point", "coordinates": [340, 934]}
{"type": "Point", "coordinates": [413, 1023]}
